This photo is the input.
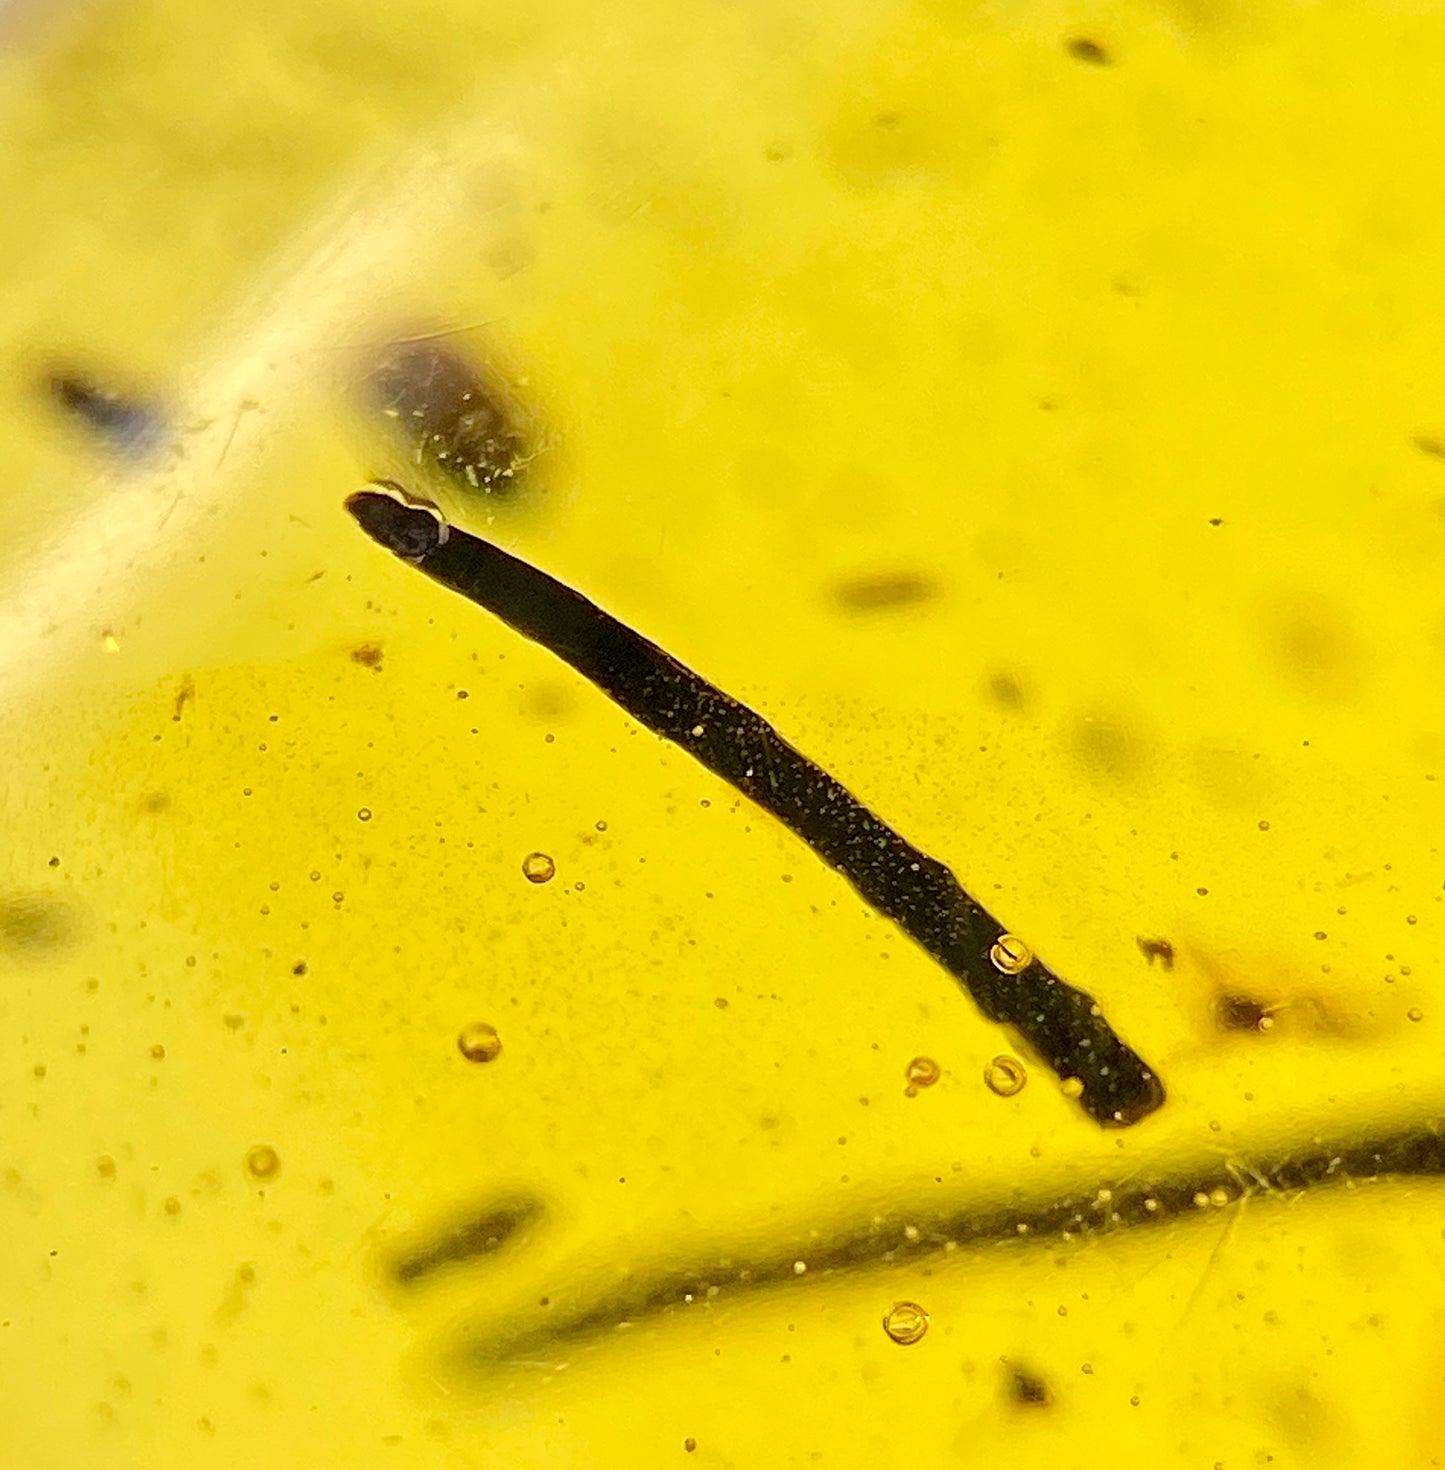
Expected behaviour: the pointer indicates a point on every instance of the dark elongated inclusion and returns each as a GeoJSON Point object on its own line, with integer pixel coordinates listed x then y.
{"type": "Point", "coordinates": [1063, 1025]}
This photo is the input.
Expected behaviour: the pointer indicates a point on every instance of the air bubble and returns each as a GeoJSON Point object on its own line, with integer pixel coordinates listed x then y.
{"type": "Point", "coordinates": [537, 867]}
{"type": "Point", "coordinates": [364, 815]}
{"type": "Point", "coordinates": [263, 1162]}
{"type": "Point", "coordinates": [1006, 1076]}
{"type": "Point", "coordinates": [1415, 1013]}
{"type": "Point", "coordinates": [479, 1042]}
{"type": "Point", "coordinates": [1010, 954]}
{"type": "Point", "coordinates": [905, 1323]}
{"type": "Point", "coordinates": [922, 1072]}
{"type": "Point", "coordinates": [1072, 1087]}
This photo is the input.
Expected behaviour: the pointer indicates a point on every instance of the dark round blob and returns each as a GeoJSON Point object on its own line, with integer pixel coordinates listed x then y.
{"type": "Point", "coordinates": [410, 531]}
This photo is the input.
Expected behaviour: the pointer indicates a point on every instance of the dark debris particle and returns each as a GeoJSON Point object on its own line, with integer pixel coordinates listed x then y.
{"type": "Point", "coordinates": [368, 655]}
{"type": "Point", "coordinates": [1082, 48]}
{"type": "Point", "coordinates": [1028, 1390]}
{"type": "Point", "coordinates": [878, 591]}
{"type": "Point", "coordinates": [1156, 949]}
{"type": "Point", "coordinates": [1240, 1013]}
{"type": "Point", "coordinates": [1427, 444]}
{"type": "Point", "coordinates": [454, 415]}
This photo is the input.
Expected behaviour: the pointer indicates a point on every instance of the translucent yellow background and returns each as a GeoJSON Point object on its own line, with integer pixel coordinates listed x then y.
{"type": "Point", "coordinates": [1131, 359]}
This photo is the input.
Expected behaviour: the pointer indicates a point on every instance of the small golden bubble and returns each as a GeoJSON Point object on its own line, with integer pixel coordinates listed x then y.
{"type": "Point", "coordinates": [922, 1072]}
{"type": "Point", "coordinates": [172, 1206]}
{"type": "Point", "coordinates": [110, 643]}
{"type": "Point", "coordinates": [263, 1162]}
{"type": "Point", "coordinates": [905, 1323]}
{"type": "Point", "coordinates": [479, 1042]}
{"type": "Point", "coordinates": [1072, 1087]}
{"type": "Point", "coordinates": [689, 1444]}
{"type": "Point", "coordinates": [1006, 1076]}
{"type": "Point", "coordinates": [1201, 1200]}
{"type": "Point", "coordinates": [1219, 1196]}
{"type": "Point", "coordinates": [1415, 1013]}
{"type": "Point", "coordinates": [601, 826]}
{"type": "Point", "coordinates": [158, 1052]}
{"type": "Point", "coordinates": [1010, 954]}
{"type": "Point", "coordinates": [364, 814]}
{"type": "Point", "coordinates": [537, 867]}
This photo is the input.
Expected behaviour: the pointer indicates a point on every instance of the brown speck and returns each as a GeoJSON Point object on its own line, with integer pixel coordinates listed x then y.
{"type": "Point", "coordinates": [1028, 1390]}
{"type": "Point", "coordinates": [1007, 689]}
{"type": "Point", "coordinates": [1427, 444]}
{"type": "Point", "coordinates": [368, 655]}
{"type": "Point", "coordinates": [1241, 1013]}
{"type": "Point", "coordinates": [1156, 949]}
{"type": "Point", "coordinates": [1082, 48]}
{"type": "Point", "coordinates": [877, 591]}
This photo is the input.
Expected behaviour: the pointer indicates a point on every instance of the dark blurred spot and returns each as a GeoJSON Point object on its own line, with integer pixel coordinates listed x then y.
{"type": "Point", "coordinates": [1427, 445]}
{"type": "Point", "coordinates": [875, 591]}
{"type": "Point", "coordinates": [1156, 949]}
{"type": "Point", "coordinates": [1314, 647]}
{"type": "Point", "coordinates": [547, 701]}
{"type": "Point", "coordinates": [1081, 48]}
{"type": "Point", "coordinates": [1007, 689]}
{"type": "Point", "coordinates": [454, 416]}
{"type": "Point", "coordinates": [1027, 1389]}
{"type": "Point", "coordinates": [472, 1235]}
{"type": "Point", "coordinates": [36, 925]}
{"type": "Point", "coordinates": [124, 422]}
{"type": "Point", "coordinates": [1107, 747]}
{"type": "Point", "coordinates": [154, 802]}
{"type": "Point", "coordinates": [1240, 1013]}
{"type": "Point", "coordinates": [369, 655]}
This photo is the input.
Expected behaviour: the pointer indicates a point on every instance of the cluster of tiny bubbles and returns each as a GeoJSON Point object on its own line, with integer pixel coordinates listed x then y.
{"type": "Point", "coordinates": [479, 1042]}
{"type": "Point", "coordinates": [905, 1323]}
{"type": "Point", "coordinates": [1005, 1075]}
{"type": "Point", "coordinates": [538, 867]}
{"type": "Point", "coordinates": [1010, 954]}
{"type": "Point", "coordinates": [263, 1163]}
{"type": "Point", "coordinates": [922, 1072]}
